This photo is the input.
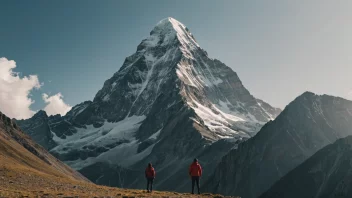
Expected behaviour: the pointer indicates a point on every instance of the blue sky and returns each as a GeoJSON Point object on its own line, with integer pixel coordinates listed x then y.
{"type": "Point", "coordinates": [278, 48]}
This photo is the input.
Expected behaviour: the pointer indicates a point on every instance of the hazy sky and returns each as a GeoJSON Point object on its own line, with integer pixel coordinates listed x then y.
{"type": "Point", "coordinates": [278, 48]}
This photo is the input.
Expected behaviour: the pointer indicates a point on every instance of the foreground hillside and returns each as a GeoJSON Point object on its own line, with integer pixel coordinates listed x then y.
{"type": "Point", "coordinates": [17, 181]}
{"type": "Point", "coordinates": [18, 153]}
{"type": "Point", "coordinates": [28, 170]}
{"type": "Point", "coordinates": [13, 184]}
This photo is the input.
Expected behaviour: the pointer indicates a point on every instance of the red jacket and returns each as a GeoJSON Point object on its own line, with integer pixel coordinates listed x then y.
{"type": "Point", "coordinates": [195, 170]}
{"type": "Point", "coordinates": [150, 172]}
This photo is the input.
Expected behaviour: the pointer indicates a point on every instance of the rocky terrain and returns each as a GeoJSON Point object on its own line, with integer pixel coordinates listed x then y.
{"type": "Point", "coordinates": [306, 125]}
{"type": "Point", "coordinates": [168, 103]}
{"type": "Point", "coordinates": [327, 173]}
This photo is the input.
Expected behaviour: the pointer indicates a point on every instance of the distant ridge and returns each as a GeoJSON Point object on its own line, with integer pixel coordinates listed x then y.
{"type": "Point", "coordinates": [306, 125]}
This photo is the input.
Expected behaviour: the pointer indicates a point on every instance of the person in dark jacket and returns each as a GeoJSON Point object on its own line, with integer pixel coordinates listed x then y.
{"type": "Point", "coordinates": [150, 175]}
{"type": "Point", "coordinates": [195, 172]}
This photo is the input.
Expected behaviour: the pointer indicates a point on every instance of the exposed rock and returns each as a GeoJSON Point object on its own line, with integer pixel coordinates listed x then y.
{"type": "Point", "coordinates": [306, 125]}
{"type": "Point", "coordinates": [328, 173]}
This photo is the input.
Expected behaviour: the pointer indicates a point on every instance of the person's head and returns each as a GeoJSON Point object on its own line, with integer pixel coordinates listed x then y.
{"type": "Point", "coordinates": [195, 160]}
{"type": "Point", "coordinates": [150, 165]}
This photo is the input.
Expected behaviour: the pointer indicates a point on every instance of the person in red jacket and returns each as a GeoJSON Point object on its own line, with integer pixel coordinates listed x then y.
{"type": "Point", "coordinates": [195, 172]}
{"type": "Point", "coordinates": [150, 175]}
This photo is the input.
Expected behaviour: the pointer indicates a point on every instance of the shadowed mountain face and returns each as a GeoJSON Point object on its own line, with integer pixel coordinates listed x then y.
{"type": "Point", "coordinates": [18, 153]}
{"type": "Point", "coordinates": [168, 103]}
{"type": "Point", "coordinates": [328, 173]}
{"type": "Point", "coordinates": [38, 128]}
{"type": "Point", "coordinates": [306, 125]}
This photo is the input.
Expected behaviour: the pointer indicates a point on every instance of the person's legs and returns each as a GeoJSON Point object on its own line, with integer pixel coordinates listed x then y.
{"type": "Point", "coordinates": [151, 184]}
{"type": "Point", "coordinates": [148, 181]}
{"type": "Point", "coordinates": [193, 182]}
{"type": "Point", "coordinates": [197, 181]}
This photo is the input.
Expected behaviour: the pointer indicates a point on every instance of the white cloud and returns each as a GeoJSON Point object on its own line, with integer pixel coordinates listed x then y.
{"type": "Point", "coordinates": [14, 91]}
{"type": "Point", "coordinates": [55, 104]}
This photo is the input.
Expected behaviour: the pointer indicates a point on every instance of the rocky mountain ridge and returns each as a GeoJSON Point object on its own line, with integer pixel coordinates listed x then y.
{"type": "Point", "coordinates": [326, 174]}
{"type": "Point", "coordinates": [306, 125]}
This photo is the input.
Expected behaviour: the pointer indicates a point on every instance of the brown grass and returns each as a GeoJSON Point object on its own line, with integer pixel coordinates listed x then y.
{"type": "Point", "coordinates": [16, 182]}
{"type": "Point", "coordinates": [20, 184]}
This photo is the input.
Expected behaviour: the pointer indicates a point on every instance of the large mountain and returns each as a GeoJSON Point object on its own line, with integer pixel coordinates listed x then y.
{"type": "Point", "coordinates": [328, 173]}
{"type": "Point", "coordinates": [306, 125]}
{"type": "Point", "coordinates": [168, 103]}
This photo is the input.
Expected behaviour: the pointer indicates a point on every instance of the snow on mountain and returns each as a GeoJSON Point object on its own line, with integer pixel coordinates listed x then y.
{"type": "Point", "coordinates": [169, 101]}
{"type": "Point", "coordinates": [119, 137]}
{"type": "Point", "coordinates": [204, 83]}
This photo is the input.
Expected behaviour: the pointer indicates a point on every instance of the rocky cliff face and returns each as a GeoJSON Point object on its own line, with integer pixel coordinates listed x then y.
{"type": "Point", "coordinates": [306, 125]}
{"type": "Point", "coordinates": [168, 103]}
{"type": "Point", "coordinates": [38, 129]}
{"type": "Point", "coordinates": [327, 173]}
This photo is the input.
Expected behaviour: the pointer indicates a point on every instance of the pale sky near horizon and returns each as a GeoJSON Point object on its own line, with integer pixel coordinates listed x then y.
{"type": "Point", "coordinates": [278, 48]}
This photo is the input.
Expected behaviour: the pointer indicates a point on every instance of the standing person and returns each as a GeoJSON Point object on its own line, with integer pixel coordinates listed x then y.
{"type": "Point", "coordinates": [150, 175]}
{"type": "Point", "coordinates": [195, 172]}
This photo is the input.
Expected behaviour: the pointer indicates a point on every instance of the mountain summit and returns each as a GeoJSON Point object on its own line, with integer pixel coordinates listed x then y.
{"type": "Point", "coordinates": [168, 103]}
{"type": "Point", "coordinates": [169, 29]}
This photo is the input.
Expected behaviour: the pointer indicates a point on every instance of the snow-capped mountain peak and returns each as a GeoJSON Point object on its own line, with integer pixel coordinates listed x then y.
{"type": "Point", "coordinates": [170, 61]}
{"type": "Point", "coordinates": [168, 100]}
{"type": "Point", "coordinates": [168, 29]}
{"type": "Point", "coordinates": [168, 34]}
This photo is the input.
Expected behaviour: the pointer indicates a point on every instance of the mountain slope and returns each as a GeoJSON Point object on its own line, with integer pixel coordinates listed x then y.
{"type": "Point", "coordinates": [168, 103]}
{"type": "Point", "coordinates": [17, 148]}
{"type": "Point", "coordinates": [306, 125]}
{"type": "Point", "coordinates": [327, 173]}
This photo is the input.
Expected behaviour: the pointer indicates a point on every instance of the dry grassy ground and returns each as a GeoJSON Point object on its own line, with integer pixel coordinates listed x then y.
{"type": "Point", "coordinates": [26, 183]}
